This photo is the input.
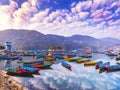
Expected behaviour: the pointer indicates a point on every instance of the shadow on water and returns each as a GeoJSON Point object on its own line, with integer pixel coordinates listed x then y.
{"type": "Point", "coordinates": [102, 70]}
{"type": "Point", "coordinates": [46, 68]}
{"type": "Point", "coordinates": [30, 76]}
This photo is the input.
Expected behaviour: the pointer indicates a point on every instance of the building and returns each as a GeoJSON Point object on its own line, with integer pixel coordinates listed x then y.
{"type": "Point", "coordinates": [8, 46]}
{"type": "Point", "coordinates": [56, 50]}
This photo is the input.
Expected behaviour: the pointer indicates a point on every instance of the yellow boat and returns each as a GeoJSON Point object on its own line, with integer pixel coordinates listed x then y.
{"type": "Point", "coordinates": [91, 63]}
{"type": "Point", "coordinates": [66, 57]}
{"type": "Point", "coordinates": [71, 59]}
{"type": "Point", "coordinates": [82, 60]}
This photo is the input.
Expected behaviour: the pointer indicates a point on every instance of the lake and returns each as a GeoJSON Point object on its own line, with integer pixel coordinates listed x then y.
{"type": "Point", "coordinates": [79, 78]}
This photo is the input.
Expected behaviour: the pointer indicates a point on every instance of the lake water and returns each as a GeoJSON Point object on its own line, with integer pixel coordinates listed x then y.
{"type": "Point", "coordinates": [80, 78]}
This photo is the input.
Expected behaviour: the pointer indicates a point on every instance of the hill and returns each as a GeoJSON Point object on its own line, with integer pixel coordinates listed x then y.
{"type": "Point", "coordinates": [31, 39]}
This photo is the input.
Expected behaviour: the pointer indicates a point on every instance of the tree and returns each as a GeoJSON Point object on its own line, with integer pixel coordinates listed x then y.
{"type": "Point", "coordinates": [2, 47]}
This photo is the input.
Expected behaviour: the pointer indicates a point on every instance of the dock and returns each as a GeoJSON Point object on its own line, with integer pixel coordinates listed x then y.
{"type": "Point", "coordinates": [8, 83]}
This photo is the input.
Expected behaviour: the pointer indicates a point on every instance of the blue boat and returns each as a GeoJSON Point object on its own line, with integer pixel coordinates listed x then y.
{"type": "Point", "coordinates": [33, 70]}
{"type": "Point", "coordinates": [40, 56]}
{"type": "Point", "coordinates": [106, 64]}
{"type": "Point", "coordinates": [112, 54]}
{"type": "Point", "coordinates": [71, 55]}
{"type": "Point", "coordinates": [102, 67]}
{"type": "Point", "coordinates": [66, 64]}
{"type": "Point", "coordinates": [98, 64]}
{"type": "Point", "coordinates": [8, 57]}
{"type": "Point", "coordinates": [113, 68]}
{"type": "Point", "coordinates": [32, 64]}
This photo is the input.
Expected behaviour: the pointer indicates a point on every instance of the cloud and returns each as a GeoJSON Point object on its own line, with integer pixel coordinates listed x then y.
{"type": "Point", "coordinates": [117, 11]}
{"type": "Point", "coordinates": [117, 22]}
{"type": "Point", "coordinates": [114, 4]}
{"type": "Point", "coordinates": [83, 15]}
{"type": "Point", "coordinates": [38, 15]}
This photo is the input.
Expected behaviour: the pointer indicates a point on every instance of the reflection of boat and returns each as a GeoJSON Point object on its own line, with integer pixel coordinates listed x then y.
{"type": "Point", "coordinates": [66, 64]}
{"type": "Point", "coordinates": [91, 63]}
{"type": "Point", "coordinates": [19, 72]}
{"type": "Point", "coordinates": [101, 70]}
{"type": "Point", "coordinates": [113, 68]}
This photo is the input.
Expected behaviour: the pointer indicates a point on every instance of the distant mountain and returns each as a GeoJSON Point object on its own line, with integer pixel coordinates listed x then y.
{"type": "Point", "coordinates": [111, 40]}
{"type": "Point", "coordinates": [31, 39]}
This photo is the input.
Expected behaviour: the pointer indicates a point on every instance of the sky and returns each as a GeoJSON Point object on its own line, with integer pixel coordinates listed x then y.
{"type": "Point", "coordinates": [96, 18]}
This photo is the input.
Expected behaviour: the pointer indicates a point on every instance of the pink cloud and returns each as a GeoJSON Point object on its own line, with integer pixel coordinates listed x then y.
{"type": "Point", "coordinates": [107, 13]}
{"type": "Point", "coordinates": [114, 4]}
{"type": "Point", "coordinates": [97, 13]}
{"type": "Point", "coordinates": [117, 11]}
{"type": "Point", "coordinates": [39, 17]}
{"type": "Point", "coordinates": [83, 15]}
{"type": "Point", "coordinates": [117, 22]}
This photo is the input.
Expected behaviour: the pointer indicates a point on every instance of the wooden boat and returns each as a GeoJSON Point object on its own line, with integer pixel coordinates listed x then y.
{"type": "Point", "coordinates": [91, 63]}
{"type": "Point", "coordinates": [97, 65]}
{"type": "Point", "coordinates": [49, 59]}
{"type": "Point", "coordinates": [34, 65]}
{"type": "Point", "coordinates": [87, 56]}
{"type": "Point", "coordinates": [59, 56]}
{"type": "Point", "coordinates": [112, 54]}
{"type": "Point", "coordinates": [19, 72]}
{"type": "Point", "coordinates": [8, 57]}
{"type": "Point", "coordinates": [103, 65]}
{"type": "Point", "coordinates": [113, 68]}
{"type": "Point", "coordinates": [72, 59]}
{"type": "Point", "coordinates": [40, 56]}
{"type": "Point", "coordinates": [33, 70]}
{"type": "Point", "coordinates": [38, 65]}
{"type": "Point", "coordinates": [71, 55]}
{"type": "Point", "coordinates": [46, 66]}
{"type": "Point", "coordinates": [83, 60]}
{"type": "Point", "coordinates": [34, 62]}
{"type": "Point", "coordinates": [66, 65]}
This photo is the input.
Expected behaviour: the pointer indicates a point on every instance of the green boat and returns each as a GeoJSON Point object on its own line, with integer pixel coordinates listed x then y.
{"type": "Point", "coordinates": [46, 66]}
{"type": "Point", "coordinates": [19, 72]}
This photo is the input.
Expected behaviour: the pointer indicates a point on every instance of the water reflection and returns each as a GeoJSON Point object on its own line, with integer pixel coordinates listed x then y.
{"type": "Point", "coordinates": [80, 78]}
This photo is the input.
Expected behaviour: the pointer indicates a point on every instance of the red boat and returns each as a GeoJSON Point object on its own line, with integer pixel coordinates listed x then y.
{"type": "Point", "coordinates": [19, 72]}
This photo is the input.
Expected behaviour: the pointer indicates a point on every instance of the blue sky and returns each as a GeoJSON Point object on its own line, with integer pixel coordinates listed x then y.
{"type": "Point", "coordinates": [97, 18]}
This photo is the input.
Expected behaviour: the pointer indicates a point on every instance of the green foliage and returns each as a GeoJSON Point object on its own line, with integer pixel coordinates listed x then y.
{"type": "Point", "coordinates": [56, 47]}
{"type": "Point", "coordinates": [2, 47]}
